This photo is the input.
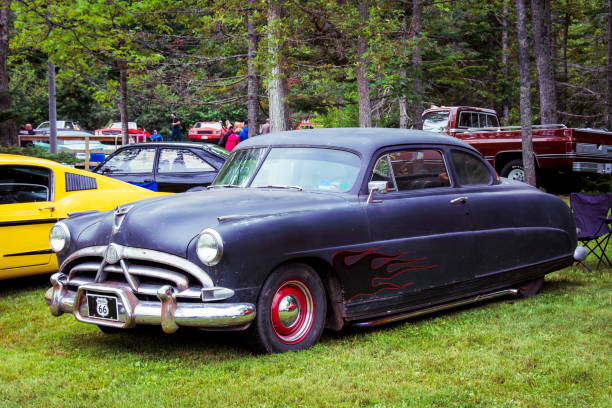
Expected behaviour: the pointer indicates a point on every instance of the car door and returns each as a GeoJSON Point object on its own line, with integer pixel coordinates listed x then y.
{"type": "Point", "coordinates": [507, 235]}
{"type": "Point", "coordinates": [26, 217]}
{"type": "Point", "coordinates": [421, 241]}
{"type": "Point", "coordinates": [132, 164]}
{"type": "Point", "coordinates": [179, 169]}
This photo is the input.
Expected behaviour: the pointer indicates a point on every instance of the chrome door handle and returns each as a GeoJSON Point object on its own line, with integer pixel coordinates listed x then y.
{"type": "Point", "coordinates": [459, 200]}
{"type": "Point", "coordinates": [46, 208]}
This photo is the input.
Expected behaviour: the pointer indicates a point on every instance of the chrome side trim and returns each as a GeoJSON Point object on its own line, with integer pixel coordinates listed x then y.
{"type": "Point", "coordinates": [402, 316]}
{"type": "Point", "coordinates": [145, 255]}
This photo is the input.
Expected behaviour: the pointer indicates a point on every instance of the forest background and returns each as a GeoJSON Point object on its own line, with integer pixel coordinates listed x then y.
{"type": "Point", "coordinates": [340, 63]}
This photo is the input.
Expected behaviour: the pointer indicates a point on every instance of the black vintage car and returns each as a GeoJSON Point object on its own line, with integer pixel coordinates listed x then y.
{"type": "Point", "coordinates": [311, 229]}
{"type": "Point", "coordinates": [173, 167]}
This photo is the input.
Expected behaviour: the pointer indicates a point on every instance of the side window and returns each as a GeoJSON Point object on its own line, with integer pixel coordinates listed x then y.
{"type": "Point", "coordinates": [492, 121]}
{"type": "Point", "coordinates": [382, 172]}
{"type": "Point", "coordinates": [412, 169]}
{"type": "Point", "coordinates": [181, 161]}
{"type": "Point", "coordinates": [464, 120]}
{"type": "Point", "coordinates": [136, 160]}
{"type": "Point", "coordinates": [24, 184]}
{"type": "Point", "coordinates": [470, 169]}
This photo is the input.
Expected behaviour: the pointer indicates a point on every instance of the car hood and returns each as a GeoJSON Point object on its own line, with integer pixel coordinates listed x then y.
{"type": "Point", "coordinates": [169, 223]}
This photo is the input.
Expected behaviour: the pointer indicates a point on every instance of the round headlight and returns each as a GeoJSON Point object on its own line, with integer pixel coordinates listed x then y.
{"type": "Point", "coordinates": [59, 237]}
{"type": "Point", "coordinates": [209, 247]}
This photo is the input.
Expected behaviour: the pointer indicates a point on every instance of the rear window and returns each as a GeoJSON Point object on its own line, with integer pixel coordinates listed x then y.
{"type": "Point", "coordinates": [477, 120]}
{"type": "Point", "coordinates": [435, 121]}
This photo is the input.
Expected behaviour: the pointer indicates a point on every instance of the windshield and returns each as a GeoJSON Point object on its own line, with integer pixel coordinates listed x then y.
{"type": "Point", "coordinates": [214, 125]}
{"type": "Point", "coordinates": [302, 168]}
{"type": "Point", "coordinates": [117, 125]}
{"type": "Point", "coordinates": [435, 121]}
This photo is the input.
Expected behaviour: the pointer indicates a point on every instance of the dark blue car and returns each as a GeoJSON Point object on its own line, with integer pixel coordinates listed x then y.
{"type": "Point", "coordinates": [171, 166]}
{"type": "Point", "coordinates": [311, 229]}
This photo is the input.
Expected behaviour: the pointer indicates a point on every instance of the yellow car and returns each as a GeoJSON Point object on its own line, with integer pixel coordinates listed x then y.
{"type": "Point", "coordinates": [34, 194]}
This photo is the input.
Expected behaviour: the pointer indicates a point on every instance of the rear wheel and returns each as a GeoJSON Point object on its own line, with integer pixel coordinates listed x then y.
{"type": "Point", "coordinates": [531, 288]}
{"type": "Point", "coordinates": [291, 310]}
{"type": "Point", "coordinates": [514, 170]}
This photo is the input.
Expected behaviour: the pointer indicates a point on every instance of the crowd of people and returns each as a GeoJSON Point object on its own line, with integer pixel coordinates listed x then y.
{"type": "Point", "coordinates": [238, 132]}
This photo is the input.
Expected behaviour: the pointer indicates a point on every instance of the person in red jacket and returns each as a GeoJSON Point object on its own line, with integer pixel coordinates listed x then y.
{"type": "Point", "coordinates": [232, 140]}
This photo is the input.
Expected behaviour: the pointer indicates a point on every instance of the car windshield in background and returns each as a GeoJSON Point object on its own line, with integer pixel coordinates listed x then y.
{"type": "Point", "coordinates": [307, 168]}
{"type": "Point", "coordinates": [214, 125]}
{"type": "Point", "coordinates": [117, 125]}
{"type": "Point", "coordinates": [435, 121]}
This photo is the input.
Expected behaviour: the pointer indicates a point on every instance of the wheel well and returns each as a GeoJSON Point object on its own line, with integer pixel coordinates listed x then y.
{"type": "Point", "coordinates": [333, 289]}
{"type": "Point", "coordinates": [506, 157]}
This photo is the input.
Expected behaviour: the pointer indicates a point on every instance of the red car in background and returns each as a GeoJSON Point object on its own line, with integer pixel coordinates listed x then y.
{"type": "Point", "coordinates": [135, 131]}
{"type": "Point", "coordinates": [206, 131]}
{"type": "Point", "coordinates": [308, 125]}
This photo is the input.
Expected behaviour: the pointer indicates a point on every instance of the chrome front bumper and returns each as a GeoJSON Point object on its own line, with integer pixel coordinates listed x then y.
{"type": "Point", "coordinates": [131, 311]}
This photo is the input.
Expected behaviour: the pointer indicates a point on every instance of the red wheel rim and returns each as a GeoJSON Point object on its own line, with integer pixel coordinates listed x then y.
{"type": "Point", "coordinates": [292, 311]}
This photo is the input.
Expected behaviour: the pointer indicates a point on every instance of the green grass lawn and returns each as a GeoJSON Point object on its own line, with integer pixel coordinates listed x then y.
{"type": "Point", "coordinates": [550, 350]}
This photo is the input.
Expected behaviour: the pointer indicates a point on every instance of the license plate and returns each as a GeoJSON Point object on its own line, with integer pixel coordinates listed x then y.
{"type": "Point", "coordinates": [102, 306]}
{"type": "Point", "coordinates": [204, 137]}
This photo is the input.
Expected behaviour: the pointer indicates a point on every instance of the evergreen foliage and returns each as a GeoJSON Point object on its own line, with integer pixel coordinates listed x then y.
{"type": "Point", "coordinates": [190, 57]}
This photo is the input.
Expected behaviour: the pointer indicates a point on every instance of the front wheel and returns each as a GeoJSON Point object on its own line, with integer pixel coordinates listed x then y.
{"type": "Point", "coordinates": [291, 310]}
{"type": "Point", "coordinates": [531, 288]}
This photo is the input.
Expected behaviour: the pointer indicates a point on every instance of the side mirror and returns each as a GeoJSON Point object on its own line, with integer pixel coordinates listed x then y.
{"type": "Point", "coordinates": [380, 187]}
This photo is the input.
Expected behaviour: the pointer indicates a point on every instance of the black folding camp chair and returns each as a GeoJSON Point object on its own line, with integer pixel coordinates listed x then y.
{"type": "Point", "coordinates": [591, 215]}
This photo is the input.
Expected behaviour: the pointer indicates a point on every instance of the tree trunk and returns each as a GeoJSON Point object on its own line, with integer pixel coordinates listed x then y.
{"type": "Point", "coordinates": [504, 58]}
{"type": "Point", "coordinates": [123, 102]}
{"type": "Point", "coordinates": [403, 107]}
{"type": "Point", "coordinates": [361, 71]}
{"type": "Point", "coordinates": [540, 16]}
{"type": "Point", "coordinates": [417, 104]}
{"type": "Point", "coordinates": [609, 70]}
{"type": "Point", "coordinates": [252, 81]}
{"type": "Point", "coordinates": [8, 134]}
{"type": "Point", "coordinates": [52, 109]}
{"type": "Point", "coordinates": [277, 82]}
{"type": "Point", "coordinates": [525, 103]}
{"type": "Point", "coordinates": [566, 24]}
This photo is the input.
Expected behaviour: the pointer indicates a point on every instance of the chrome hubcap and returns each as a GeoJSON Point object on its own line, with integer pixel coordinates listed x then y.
{"type": "Point", "coordinates": [517, 174]}
{"type": "Point", "coordinates": [288, 311]}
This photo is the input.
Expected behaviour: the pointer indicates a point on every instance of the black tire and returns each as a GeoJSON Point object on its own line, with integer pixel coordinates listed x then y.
{"type": "Point", "coordinates": [530, 288]}
{"type": "Point", "coordinates": [514, 171]}
{"type": "Point", "coordinates": [298, 290]}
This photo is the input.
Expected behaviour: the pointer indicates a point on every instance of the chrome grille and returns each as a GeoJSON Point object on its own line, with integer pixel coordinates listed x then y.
{"type": "Point", "coordinates": [145, 271]}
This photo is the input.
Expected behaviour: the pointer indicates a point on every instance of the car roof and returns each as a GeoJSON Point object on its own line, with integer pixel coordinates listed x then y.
{"type": "Point", "coordinates": [364, 140]}
{"type": "Point", "coordinates": [192, 145]}
{"type": "Point", "coordinates": [27, 160]}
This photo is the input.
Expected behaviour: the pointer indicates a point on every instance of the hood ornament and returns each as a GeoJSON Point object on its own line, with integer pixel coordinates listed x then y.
{"type": "Point", "coordinates": [120, 213]}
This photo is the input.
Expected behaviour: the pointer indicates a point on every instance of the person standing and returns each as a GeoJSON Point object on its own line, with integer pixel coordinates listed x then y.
{"type": "Point", "coordinates": [265, 128]}
{"type": "Point", "coordinates": [244, 133]}
{"type": "Point", "coordinates": [176, 128]}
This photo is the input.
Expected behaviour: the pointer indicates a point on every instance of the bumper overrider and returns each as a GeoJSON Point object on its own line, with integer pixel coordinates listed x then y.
{"type": "Point", "coordinates": [116, 304]}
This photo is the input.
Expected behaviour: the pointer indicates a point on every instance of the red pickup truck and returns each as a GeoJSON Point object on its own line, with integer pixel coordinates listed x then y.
{"type": "Point", "coordinates": [562, 155]}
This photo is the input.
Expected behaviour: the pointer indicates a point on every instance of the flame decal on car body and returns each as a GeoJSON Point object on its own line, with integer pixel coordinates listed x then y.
{"type": "Point", "coordinates": [389, 267]}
